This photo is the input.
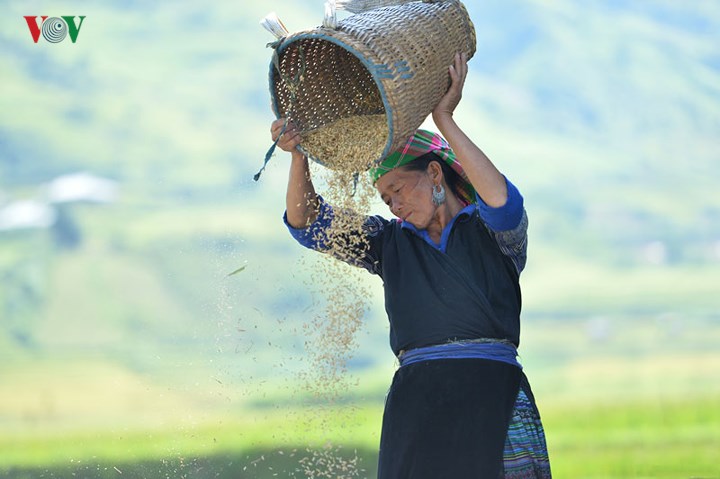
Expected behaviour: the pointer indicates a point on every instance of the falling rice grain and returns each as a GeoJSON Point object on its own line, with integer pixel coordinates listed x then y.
{"type": "Point", "coordinates": [348, 144]}
{"type": "Point", "coordinates": [346, 149]}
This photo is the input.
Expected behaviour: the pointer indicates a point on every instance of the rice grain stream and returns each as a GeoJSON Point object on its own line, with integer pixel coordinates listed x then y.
{"type": "Point", "coordinates": [353, 144]}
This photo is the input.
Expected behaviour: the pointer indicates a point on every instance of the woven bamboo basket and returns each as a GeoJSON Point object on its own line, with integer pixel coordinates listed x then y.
{"type": "Point", "coordinates": [358, 91]}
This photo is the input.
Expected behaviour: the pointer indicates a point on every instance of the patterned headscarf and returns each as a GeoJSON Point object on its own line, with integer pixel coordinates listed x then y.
{"type": "Point", "coordinates": [422, 142]}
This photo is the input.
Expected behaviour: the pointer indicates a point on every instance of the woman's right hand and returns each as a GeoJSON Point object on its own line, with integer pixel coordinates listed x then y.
{"type": "Point", "coordinates": [301, 201]}
{"type": "Point", "coordinates": [290, 138]}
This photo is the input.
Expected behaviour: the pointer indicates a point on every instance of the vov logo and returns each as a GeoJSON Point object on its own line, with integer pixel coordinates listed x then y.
{"type": "Point", "coordinates": [54, 29]}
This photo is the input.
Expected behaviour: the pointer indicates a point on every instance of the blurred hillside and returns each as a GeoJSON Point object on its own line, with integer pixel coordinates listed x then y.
{"type": "Point", "coordinates": [605, 114]}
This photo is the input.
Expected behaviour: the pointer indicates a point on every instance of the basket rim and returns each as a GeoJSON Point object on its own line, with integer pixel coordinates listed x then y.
{"type": "Point", "coordinates": [319, 34]}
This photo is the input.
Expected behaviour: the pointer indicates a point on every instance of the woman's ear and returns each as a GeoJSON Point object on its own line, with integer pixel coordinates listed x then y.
{"type": "Point", "coordinates": [435, 171]}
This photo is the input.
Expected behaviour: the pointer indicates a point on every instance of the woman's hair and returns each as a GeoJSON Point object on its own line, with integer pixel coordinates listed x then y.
{"type": "Point", "coordinates": [452, 178]}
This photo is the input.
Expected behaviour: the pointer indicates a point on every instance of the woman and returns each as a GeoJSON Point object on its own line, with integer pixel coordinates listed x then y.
{"type": "Point", "coordinates": [459, 405]}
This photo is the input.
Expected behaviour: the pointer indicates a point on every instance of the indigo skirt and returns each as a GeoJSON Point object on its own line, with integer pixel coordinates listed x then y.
{"type": "Point", "coordinates": [456, 418]}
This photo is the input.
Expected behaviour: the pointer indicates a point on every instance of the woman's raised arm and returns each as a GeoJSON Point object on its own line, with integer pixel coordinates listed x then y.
{"type": "Point", "coordinates": [482, 173]}
{"type": "Point", "coordinates": [301, 200]}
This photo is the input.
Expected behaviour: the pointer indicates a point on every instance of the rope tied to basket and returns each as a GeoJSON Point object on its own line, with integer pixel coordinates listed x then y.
{"type": "Point", "coordinates": [293, 85]}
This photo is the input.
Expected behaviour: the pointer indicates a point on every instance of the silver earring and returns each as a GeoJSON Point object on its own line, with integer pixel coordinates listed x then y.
{"type": "Point", "coordinates": [438, 195]}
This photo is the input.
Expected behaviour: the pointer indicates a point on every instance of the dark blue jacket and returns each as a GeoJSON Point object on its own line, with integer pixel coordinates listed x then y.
{"type": "Point", "coordinates": [466, 287]}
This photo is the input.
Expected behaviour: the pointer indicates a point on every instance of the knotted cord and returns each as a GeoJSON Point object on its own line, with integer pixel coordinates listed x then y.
{"type": "Point", "coordinates": [292, 86]}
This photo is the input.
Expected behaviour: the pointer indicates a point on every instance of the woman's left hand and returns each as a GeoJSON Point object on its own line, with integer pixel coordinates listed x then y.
{"type": "Point", "coordinates": [458, 73]}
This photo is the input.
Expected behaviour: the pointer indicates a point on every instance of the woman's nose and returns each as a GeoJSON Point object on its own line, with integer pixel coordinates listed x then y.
{"type": "Point", "coordinates": [396, 207]}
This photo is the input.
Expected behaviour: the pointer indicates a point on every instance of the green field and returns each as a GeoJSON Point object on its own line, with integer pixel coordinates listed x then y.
{"type": "Point", "coordinates": [610, 411]}
{"type": "Point", "coordinates": [658, 439]}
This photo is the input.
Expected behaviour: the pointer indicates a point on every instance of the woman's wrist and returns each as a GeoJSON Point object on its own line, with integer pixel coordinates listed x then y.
{"type": "Point", "coordinates": [443, 118]}
{"type": "Point", "coordinates": [297, 155]}
{"type": "Point", "coordinates": [447, 126]}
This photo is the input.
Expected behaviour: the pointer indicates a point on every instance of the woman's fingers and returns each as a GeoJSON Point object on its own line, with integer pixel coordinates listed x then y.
{"type": "Point", "coordinates": [458, 72]}
{"type": "Point", "coordinates": [288, 138]}
{"type": "Point", "coordinates": [277, 124]}
{"type": "Point", "coordinates": [459, 68]}
{"type": "Point", "coordinates": [292, 136]}
{"type": "Point", "coordinates": [277, 127]}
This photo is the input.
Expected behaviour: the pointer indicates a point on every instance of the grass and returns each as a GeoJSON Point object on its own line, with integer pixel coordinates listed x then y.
{"type": "Point", "coordinates": [275, 430]}
{"type": "Point", "coordinates": [554, 281]}
{"type": "Point", "coordinates": [662, 439]}
{"type": "Point", "coordinates": [256, 464]}
{"type": "Point", "coordinates": [610, 413]}
{"type": "Point", "coordinates": [665, 438]}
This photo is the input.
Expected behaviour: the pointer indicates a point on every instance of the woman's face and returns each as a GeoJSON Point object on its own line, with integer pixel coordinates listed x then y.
{"type": "Point", "coordinates": [408, 194]}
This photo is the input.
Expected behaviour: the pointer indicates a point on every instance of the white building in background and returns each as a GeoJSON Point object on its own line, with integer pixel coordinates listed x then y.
{"type": "Point", "coordinates": [26, 214]}
{"type": "Point", "coordinates": [41, 212]}
{"type": "Point", "coordinates": [81, 187]}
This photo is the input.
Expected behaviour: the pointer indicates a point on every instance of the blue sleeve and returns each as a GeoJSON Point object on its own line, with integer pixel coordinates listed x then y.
{"type": "Point", "coordinates": [362, 248]}
{"type": "Point", "coordinates": [508, 224]}
{"type": "Point", "coordinates": [507, 216]}
{"type": "Point", "coordinates": [313, 236]}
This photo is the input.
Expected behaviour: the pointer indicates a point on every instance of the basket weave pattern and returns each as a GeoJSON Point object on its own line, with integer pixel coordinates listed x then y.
{"type": "Point", "coordinates": [392, 61]}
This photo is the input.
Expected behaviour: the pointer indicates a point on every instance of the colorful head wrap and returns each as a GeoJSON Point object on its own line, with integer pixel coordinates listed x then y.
{"type": "Point", "coordinates": [422, 142]}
